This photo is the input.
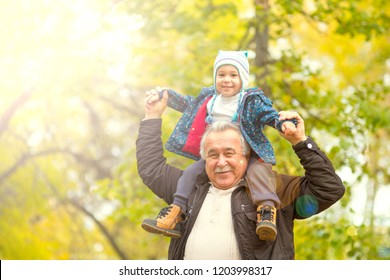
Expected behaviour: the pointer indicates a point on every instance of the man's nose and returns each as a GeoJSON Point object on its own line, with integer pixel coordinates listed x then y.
{"type": "Point", "coordinates": [221, 160]}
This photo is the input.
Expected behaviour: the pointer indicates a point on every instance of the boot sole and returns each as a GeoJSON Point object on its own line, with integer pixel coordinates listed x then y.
{"type": "Point", "coordinates": [157, 230]}
{"type": "Point", "coordinates": [266, 233]}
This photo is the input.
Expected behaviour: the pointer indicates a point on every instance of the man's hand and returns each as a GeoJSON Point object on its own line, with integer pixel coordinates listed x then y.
{"type": "Point", "coordinates": [154, 107]}
{"type": "Point", "coordinates": [293, 134]}
{"type": "Point", "coordinates": [288, 127]}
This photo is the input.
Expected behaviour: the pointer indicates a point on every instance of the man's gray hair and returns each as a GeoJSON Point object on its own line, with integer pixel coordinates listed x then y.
{"type": "Point", "coordinates": [221, 126]}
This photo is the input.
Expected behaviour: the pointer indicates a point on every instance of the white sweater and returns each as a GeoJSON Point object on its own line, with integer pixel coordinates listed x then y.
{"type": "Point", "coordinates": [212, 237]}
{"type": "Point", "coordinates": [224, 107]}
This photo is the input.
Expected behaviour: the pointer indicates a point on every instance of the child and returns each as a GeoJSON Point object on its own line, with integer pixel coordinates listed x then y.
{"type": "Point", "coordinates": [228, 100]}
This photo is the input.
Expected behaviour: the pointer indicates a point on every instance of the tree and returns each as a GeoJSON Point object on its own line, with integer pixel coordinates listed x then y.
{"type": "Point", "coordinates": [72, 97]}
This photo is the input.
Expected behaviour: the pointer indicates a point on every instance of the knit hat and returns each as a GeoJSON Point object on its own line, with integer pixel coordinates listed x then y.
{"type": "Point", "coordinates": [239, 59]}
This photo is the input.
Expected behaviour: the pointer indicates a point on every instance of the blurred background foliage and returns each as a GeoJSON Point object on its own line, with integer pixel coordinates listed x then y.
{"type": "Point", "coordinates": [73, 76]}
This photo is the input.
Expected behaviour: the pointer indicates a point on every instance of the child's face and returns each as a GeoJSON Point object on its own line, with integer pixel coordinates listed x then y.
{"type": "Point", "coordinates": [228, 81]}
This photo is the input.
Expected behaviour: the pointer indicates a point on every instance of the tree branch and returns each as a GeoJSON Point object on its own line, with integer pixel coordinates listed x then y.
{"type": "Point", "coordinates": [81, 208]}
{"type": "Point", "coordinates": [102, 172]}
{"type": "Point", "coordinates": [8, 114]}
{"type": "Point", "coordinates": [102, 228]}
{"type": "Point", "coordinates": [22, 160]}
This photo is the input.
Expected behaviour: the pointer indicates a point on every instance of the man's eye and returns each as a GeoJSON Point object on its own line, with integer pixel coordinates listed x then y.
{"type": "Point", "coordinates": [213, 156]}
{"type": "Point", "coordinates": [230, 154]}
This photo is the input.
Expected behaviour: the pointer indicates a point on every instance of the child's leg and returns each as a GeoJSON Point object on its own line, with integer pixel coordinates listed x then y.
{"type": "Point", "coordinates": [186, 183]}
{"type": "Point", "coordinates": [169, 217]}
{"type": "Point", "coordinates": [262, 185]}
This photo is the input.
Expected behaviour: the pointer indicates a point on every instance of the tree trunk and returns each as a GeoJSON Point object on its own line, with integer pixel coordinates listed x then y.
{"type": "Point", "coordinates": [261, 39]}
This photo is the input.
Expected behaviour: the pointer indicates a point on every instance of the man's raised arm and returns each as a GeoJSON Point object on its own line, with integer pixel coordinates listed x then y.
{"type": "Point", "coordinates": [156, 174]}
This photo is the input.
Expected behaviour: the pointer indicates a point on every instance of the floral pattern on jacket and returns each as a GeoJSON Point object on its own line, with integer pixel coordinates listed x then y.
{"type": "Point", "coordinates": [255, 111]}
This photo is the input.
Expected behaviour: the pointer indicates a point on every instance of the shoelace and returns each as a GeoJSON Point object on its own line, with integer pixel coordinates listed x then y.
{"type": "Point", "coordinates": [165, 211]}
{"type": "Point", "coordinates": [267, 214]}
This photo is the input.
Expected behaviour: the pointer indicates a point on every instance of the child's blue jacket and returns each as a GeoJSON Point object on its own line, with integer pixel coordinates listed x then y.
{"type": "Point", "coordinates": [255, 111]}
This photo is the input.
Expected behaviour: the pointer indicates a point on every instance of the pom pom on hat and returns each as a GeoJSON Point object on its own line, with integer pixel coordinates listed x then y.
{"type": "Point", "coordinates": [239, 59]}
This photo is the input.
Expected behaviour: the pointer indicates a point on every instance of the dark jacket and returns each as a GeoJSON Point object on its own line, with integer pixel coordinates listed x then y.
{"type": "Point", "coordinates": [300, 197]}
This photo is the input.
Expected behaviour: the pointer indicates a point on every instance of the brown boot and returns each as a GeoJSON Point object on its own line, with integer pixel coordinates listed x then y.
{"type": "Point", "coordinates": [266, 223]}
{"type": "Point", "coordinates": [166, 222]}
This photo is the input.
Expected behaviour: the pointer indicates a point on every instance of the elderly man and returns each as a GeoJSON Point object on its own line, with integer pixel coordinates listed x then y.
{"type": "Point", "coordinates": [221, 220]}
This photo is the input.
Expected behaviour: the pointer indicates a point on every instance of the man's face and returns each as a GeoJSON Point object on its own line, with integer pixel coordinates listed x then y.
{"type": "Point", "coordinates": [225, 163]}
{"type": "Point", "coordinates": [227, 80]}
